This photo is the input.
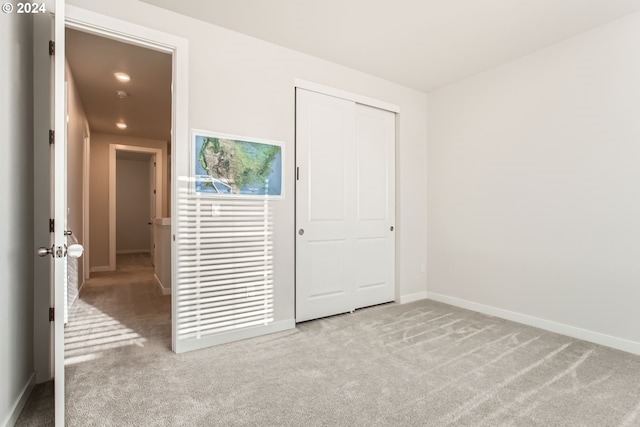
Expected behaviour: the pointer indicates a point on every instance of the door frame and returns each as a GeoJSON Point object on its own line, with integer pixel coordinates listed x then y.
{"type": "Point", "coordinates": [113, 151]}
{"type": "Point", "coordinates": [349, 96]}
{"type": "Point", "coordinates": [153, 209]}
{"type": "Point", "coordinates": [106, 26]}
{"type": "Point", "coordinates": [86, 163]}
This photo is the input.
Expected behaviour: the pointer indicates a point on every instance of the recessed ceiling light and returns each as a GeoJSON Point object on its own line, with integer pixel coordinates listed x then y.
{"type": "Point", "coordinates": [121, 94]}
{"type": "Point", "coordinates": [123, 77]}
{"type": "Point", "coordinates": [121, 125]}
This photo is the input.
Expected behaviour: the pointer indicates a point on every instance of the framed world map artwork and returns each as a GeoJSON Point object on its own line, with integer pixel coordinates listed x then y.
{"type": "Point", "coordinates": [232, 166]}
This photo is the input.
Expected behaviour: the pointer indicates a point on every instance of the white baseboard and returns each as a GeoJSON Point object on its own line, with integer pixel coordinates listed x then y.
{"type": "Point", "coordinates": [404, 299]}
{"type": "Point", "coordinates": [237, 335]}
{"type": "Point", "coordinates": [133, 251]}
{"type": "Point", "coordinates": [18, 405]}
{"type": "Point", "coordinates": [549, 325]}
{"type": "Point", "coordinates": [163, 290]}
{"type": "Point", "coordinates": [100, 269]}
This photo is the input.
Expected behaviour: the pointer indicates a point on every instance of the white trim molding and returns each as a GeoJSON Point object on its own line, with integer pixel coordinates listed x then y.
{"type": "Point", "coordinates": [236, 335]}
{"type": "Point", "coordinates": [161, 288]}
{"type": "Point", "coordinates": [343, 94]}
{"type": "Point", "coordinates": [405, 299]}
{"type": "Point", "coordinates": [133, 251]}
{"type": "Point", "coordinates": [113, 149]}
{"type": "Point", "coordinates": [549, 325]}
{"type": "Point", "coordinates": [86, 165]}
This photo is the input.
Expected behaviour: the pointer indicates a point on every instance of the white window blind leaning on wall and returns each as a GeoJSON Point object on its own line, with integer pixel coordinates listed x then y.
{"type": "Point", "coordinates": [225, 268]}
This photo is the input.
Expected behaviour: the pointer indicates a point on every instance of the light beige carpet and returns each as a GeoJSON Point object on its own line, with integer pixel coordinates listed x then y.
{"type": "Point", "coordinates": [419, 364]}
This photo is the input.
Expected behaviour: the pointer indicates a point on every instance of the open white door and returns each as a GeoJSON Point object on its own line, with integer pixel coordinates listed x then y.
{"type": "Point", "coordinates": [59, 209]}
{"type": "Point", "coordinates": [50, 118]}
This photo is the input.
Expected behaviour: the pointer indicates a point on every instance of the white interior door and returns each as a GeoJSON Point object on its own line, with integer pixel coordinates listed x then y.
{"type": "Point", "coordinates": [344, 205]}
{"type": "Point", "coordinates": [50, 197]}
{"type": "Point", "coordinates": [59, 208]}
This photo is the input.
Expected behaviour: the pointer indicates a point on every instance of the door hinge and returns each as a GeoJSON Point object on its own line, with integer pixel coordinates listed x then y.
{"type": "Point", "coordinates": [52, 313]}
{"type": "Point", "coordinates": [154, 191]}
{"type": "Point", "coordinates": [297, 174]}
{"type": "Point", "coordinates": [52, 47]}
{"type": "Point", "coordinates": [52, 136]}
{"type": "Point", "coordinates": [52, 225]}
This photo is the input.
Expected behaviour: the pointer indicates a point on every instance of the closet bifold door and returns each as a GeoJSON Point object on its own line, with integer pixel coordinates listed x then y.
{"type": "Point", "coordinates": [344, 205]}
{"type": "Point", "coordinates": [375, 207]}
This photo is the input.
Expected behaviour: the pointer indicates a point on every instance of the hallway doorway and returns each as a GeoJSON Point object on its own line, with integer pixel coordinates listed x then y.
{"type": "Point", "coordinates": [128, 137]}
{"type": "Point", "coordinates": [122, 309]}
{"type": "Point", "coordinates": [136, 200]}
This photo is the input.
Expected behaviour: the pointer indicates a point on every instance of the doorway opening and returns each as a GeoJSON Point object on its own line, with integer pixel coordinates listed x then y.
{"type": "Point", "coordinates": [136, 200]}
{"type": "Point", "coordinates": [125, 303]}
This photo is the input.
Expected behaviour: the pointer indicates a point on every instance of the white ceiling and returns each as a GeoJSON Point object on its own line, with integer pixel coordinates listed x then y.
{"type": "Point", "coordinates": [423, 44]}
{"type": "Point", "coordinates": [147, 110]}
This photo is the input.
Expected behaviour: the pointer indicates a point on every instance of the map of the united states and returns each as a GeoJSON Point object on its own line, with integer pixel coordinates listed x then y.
{"type": "Point", "coordinates": [238, 167]}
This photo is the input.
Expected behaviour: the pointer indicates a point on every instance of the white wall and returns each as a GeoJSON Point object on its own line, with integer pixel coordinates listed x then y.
{"type": "Point", "coordinates": [133, 234]}
{"type": "Point", "coordinates": [244, 86]}
{"type": "Point", "coordinates": [533, 185]}
{"type": "Point", "coordinates": [99, 191]}
{"type": "Point", "coordinates": [16, 215]}
{"type": "Point", "coordinates": [77, 130]}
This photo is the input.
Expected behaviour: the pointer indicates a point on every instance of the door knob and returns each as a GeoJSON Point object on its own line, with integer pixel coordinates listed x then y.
{"type": "Point", "coordinates": [42, 251]}
{"type": "Point", "coordinates": [301, 231]}
{"type": "Point", "coordinates": [75, 251]}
